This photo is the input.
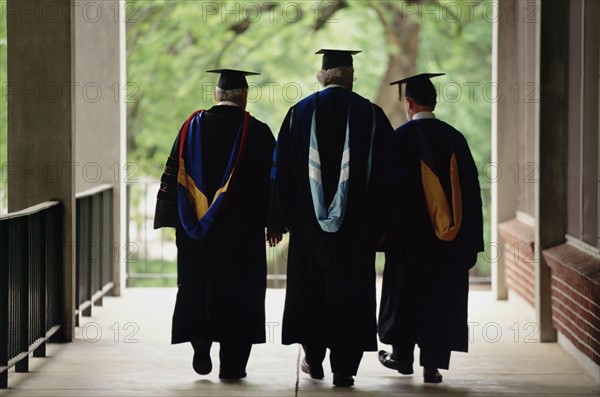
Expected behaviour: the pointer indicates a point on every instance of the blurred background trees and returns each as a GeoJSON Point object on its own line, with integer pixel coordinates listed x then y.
{"type": "Point", "coordinates": [171, 43]}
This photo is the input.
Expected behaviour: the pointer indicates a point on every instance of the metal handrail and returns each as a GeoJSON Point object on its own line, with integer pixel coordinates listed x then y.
{"type": "Point", "coordinates": [29, 210]}
{"type": "Point", "coordinates": [94, 249]}
{"type": "Point", "coordinates": [30, 284]}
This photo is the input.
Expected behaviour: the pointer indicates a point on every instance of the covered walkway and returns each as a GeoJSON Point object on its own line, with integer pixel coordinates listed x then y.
{"type": "Point", "coordinates": [124, 350]}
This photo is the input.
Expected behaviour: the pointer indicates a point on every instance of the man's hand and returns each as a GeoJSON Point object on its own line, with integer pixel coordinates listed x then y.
{"type": "Point", "coordinates": [273, 237]}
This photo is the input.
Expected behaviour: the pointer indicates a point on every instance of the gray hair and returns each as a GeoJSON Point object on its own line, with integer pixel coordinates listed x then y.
{"type": "Point", "coordinates": [235, 95]}
{"type": "Point", "coordinates": [342, 75]}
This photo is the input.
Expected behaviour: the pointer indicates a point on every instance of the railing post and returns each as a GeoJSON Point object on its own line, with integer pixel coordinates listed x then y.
{"type": "Point", "coordinates": [23, 331]}
{"type": "Point", "coordinates": [84, 219]}
{"type": "Point", "coordinates": [99, 238]}
{"type": "Point", "coordinates": [109, 240]}
{"type": "Point", "coordinates": [54, 260]}
{"type": "Point", "coordinates": [78, 261]}
{"type": "Point", "coordinates": [127, 234]}
{"type": "Point", "coordinates": [42, 292]}
{"type": "Point", "coordinates": [4, 304]}
{"type": "Point", "coordinates": [89, 204]}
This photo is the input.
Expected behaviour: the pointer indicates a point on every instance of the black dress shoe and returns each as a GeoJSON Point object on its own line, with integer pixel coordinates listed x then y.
{"type": "Point", "coordinates": [201, 361]}
{"type": "Point", "coordinates": [231, 375]}
{"type": "Point", "coordinates": [340, 380]}
{"type": "Point", "coordinates": [432, 375]}
{"type": "Point", "coordinates": [315, 372]}
{"type": "Point", "coordinates": [387, 361]}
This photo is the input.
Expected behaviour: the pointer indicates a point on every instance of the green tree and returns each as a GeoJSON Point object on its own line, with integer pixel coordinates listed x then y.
{"type": "Point", "coordinates": [172, 43]}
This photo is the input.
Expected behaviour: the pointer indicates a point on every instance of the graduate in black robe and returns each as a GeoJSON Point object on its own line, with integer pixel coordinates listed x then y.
{"type": "Point", "coordinates": [438, 235]}
{"type": "Point", "coordinates": [221, 259]}
{"type": "Point", "coordinates": [330, 161]}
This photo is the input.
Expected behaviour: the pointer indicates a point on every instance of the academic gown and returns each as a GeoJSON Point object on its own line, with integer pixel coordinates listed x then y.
{"type": "Point", "coordinates": [425, 282]}
{"type": "Point", "coordinates": [221, 278]}
{"type": "Point", "coordinates": [330, 298]}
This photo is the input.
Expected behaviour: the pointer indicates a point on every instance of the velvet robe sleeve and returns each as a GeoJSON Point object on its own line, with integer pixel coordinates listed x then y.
{"type": "Point", "coordinates": [259, 169]}
{"type": "Point", "coordinates": [472, 204]}
{"type": "Point", "coordinates": [166, 213]}
{"type": "Point", "coordinates": [280, 181]}
{"type": "Point", "coordinates": [383, 187]}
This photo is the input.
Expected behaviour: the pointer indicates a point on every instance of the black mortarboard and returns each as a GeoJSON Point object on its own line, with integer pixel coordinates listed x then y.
{"type": "Point", "coordinates": [419, 88]}
{"type": "Point", "coordinates": [231, 79]}
{"type": "Point", "coordinates": [336, 58]}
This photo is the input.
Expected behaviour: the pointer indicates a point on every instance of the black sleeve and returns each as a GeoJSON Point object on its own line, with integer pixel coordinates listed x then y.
{"type": "Point", "coordinates": [280, 189]}
{"type": "Point", "coordinates": [261, 169]}
{"type": "Point", "coordinates": [472, 204]}
{"type": "Point", "coordinates": [166, 214]}
{"type": "Point", "coordinates": [383, 184]}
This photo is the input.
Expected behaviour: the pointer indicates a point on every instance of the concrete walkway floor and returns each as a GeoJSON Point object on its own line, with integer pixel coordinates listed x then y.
{"type": "Point", "coordinates": [124, 350]}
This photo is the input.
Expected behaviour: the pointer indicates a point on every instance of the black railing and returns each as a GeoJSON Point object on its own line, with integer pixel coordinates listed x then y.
{"type": "Point", "coordinates": [31, 269]}
{"type": "Point", "coordinates": [94, 249]}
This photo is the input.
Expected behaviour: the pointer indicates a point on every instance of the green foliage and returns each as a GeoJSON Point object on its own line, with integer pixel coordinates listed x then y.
{"type": "Point", "coordinates": [173, 43]}
{"type": "Point", "coordinates": [151, 273]}
{"type": "Point", "coordinates": [462, 50]}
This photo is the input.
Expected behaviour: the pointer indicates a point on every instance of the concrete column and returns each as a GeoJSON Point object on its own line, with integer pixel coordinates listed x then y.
{"type": "Point", "coordinates": [551, 152]}
{"type": "Point", "coordinates": [591, 101]}
{"type": "Point", "coordinates": [100, 109]}
{"type": "Point", "coordinates": [41, 139]}
{"type": "Point", "coordinates": [598, 113]}
{"type": "Point", "coordinates": [123, 224]}
{"type": "Point", "coordinates": [504, 133]}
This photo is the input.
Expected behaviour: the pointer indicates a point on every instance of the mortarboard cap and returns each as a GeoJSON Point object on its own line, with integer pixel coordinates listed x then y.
{"type": "Point", "coordinates": [419, 88]}
{"type": "Point", "coordinates": [336, 58]}
{"type": "Point", "coordinates": [231, 79]}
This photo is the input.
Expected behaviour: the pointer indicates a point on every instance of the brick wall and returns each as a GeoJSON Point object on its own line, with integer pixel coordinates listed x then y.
{"type": "Point", "coordinates": [576, 297]}
{"type": "Point", "coordinates": [519, 259]}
